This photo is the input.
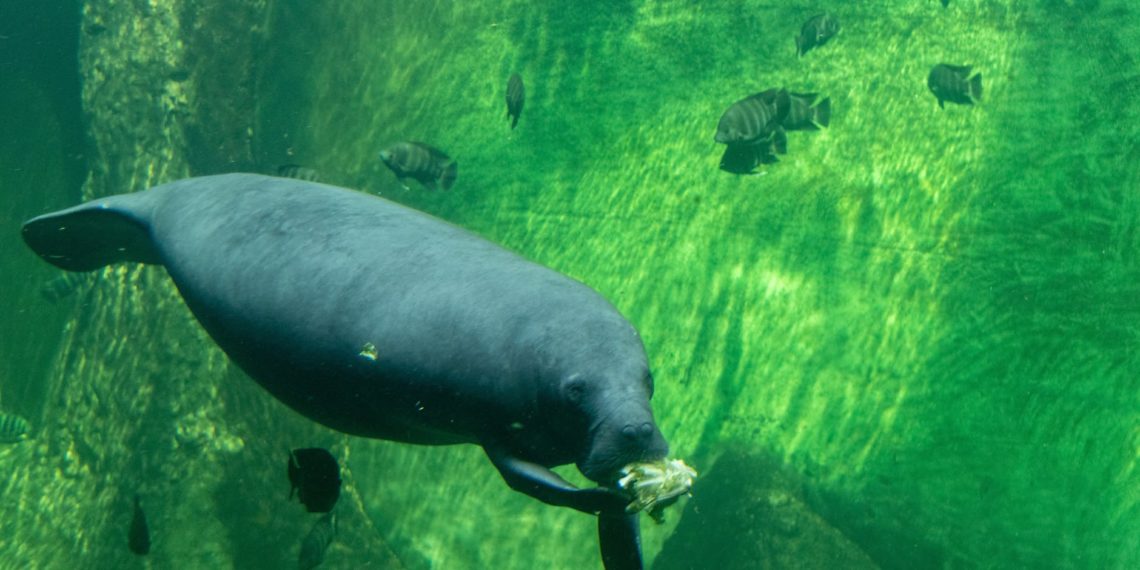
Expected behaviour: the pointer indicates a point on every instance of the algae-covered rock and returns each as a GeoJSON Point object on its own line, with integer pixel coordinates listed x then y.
{"type": "Point", "coordinates": [749, 512]}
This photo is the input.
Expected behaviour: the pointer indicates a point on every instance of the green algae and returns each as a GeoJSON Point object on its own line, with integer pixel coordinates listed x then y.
{"type": "Point", "coordinates": [927, 316]}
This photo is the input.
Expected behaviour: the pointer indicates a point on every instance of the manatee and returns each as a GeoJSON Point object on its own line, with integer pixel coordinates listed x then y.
{"type": "Point", "coordinates": [381, 321]}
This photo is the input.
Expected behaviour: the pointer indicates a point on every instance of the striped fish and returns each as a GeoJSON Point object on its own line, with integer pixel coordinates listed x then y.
{"type": "Point", "coordinates": [807, 112]}
{"type": "Point", "coordinates": [815, 32]}
{"type": "Point", "coordinates": [424, 163]}
{"type": "Point", "coordinates": [13, 428]}
{"type": "Point", "coordinates": [299, 172]}
{"type": "Point", "coordinates": [64, 286]}
{"type": "Point", "coordinates": [955, 83]}
{"type": "Point", "coordinates": [516, 98]}
{"type": "Point", "coordinates": [317, 542]}
{"type": "Point", "coordinates": [753, 118]}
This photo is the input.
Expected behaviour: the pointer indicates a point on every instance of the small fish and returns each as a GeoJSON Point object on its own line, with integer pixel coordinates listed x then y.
{"type": "Point", "coordinates": [315, 476]}
{"type": "Point", "coordinates": [64, 286]}
{"type": "Point", "coordinates": [816, 32]}
{"type": "Point", "coordinates": [807, 112]}
{"type": "Point", "coordinates": [516, 98]}
{"type": "Point", "coordinates": [945, 3]}
{"type": "Point", "coordinates": [299, 172]}
{"type": "Point", "coordinates": [13, 428]}
{"type": "Point", "coordinates": [753, 118]}
{"type": "Point", "coordinates": [955, 83]}
{"type": "Point", "coordinates": [424, 163]}
{"type": "Point", "coordinates": [139, 538]}
{"type": "Point", "coordinates": [317, 542]}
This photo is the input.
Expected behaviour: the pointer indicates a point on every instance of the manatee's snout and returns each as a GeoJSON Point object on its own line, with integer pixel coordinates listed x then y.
{"type": "Point", "coordinates": [638, 433]}
{"type": "Point", "coordinates": [629, 435]}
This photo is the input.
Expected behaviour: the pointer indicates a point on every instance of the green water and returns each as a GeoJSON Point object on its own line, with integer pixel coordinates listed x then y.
{"type": "Point", "coordinates": [926, 321]}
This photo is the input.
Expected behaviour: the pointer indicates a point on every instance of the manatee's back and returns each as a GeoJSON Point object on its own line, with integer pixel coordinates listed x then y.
{"type": "Point", "coordinates": [367, 316]}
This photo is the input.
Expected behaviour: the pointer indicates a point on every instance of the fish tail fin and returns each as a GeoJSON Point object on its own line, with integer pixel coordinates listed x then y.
{"type": "Point", "coordinates": [93, 235]}
{"type": "Point", "coordinates": [514, 122]}
{"type": "Point", "coordinates": [976, 87]}
{"type": "Point", "coordinates": [799, 46]}
{"type": "Point", "coordinates": [823, 112]}
{"type": "Point", "coordinates": [783, 106]}
{"type": "Point", "coordinates": [449, 174]}
{"type": "Point", "coordinates": [780, 141]}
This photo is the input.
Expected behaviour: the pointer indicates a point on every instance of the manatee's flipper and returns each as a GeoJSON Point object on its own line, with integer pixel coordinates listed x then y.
{"type": "Point", "coordinates": [620, 539]}
{"type": "Point", "coordinates": [548, 487]}
{"type": "Point", "coordinates": [91, 235]}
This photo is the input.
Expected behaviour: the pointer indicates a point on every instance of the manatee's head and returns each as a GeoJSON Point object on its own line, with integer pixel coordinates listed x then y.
{"type": "Point", "coordinates": [619, 421]}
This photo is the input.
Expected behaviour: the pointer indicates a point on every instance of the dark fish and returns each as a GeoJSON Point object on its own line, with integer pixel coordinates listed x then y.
{"type": "Point", "coordinates": [955, 83]}
{"type": "Point", "coordinates": [816, 32]}
{"type": "Point", "coordinates": [13, 428]}
{"type": "Point", "coordinates": [424, 163]}
{"type": "Point", "coordinates": [753, 118]}
{"type": "Point", "coordinates": [743, 158]}
{"type": "Point", "coordinates": [315, 476]}
{"type": "Point", "coordinates": [807, 112]}
{"type": "Point", "coordinates": [317, 542]}
{"type": "Point", "coordinates": [139, 538]}
{"type": "Point", "coordinates": [299, 172]}
{"type": "Point", "coordinates": [516, 98]}
{"type": "Point", "coordinates": [64, 286]}
{"type": "Point", "coordinates": [945, 3]}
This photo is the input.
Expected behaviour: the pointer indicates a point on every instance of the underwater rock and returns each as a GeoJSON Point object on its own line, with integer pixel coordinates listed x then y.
{"type": "Point", "coordinates": [750, 514]}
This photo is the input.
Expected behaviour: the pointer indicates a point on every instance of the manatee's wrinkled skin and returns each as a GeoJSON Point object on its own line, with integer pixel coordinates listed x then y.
{"type": "Point", "coordinates": [381, 321]}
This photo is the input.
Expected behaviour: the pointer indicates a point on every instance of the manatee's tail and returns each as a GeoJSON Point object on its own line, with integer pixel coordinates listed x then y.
{"type": "Point", "coordinates": [620, 539]}
{"type": "Point", "coordinates": [91, 235]}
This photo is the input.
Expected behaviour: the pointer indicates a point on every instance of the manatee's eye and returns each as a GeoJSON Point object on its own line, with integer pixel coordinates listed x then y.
{"type": "Point", "coordinates": [575, 389]}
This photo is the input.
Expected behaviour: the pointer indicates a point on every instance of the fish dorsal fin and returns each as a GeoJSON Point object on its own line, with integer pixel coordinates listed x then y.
{"type": "Point", "coordinates": [434, 152]}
